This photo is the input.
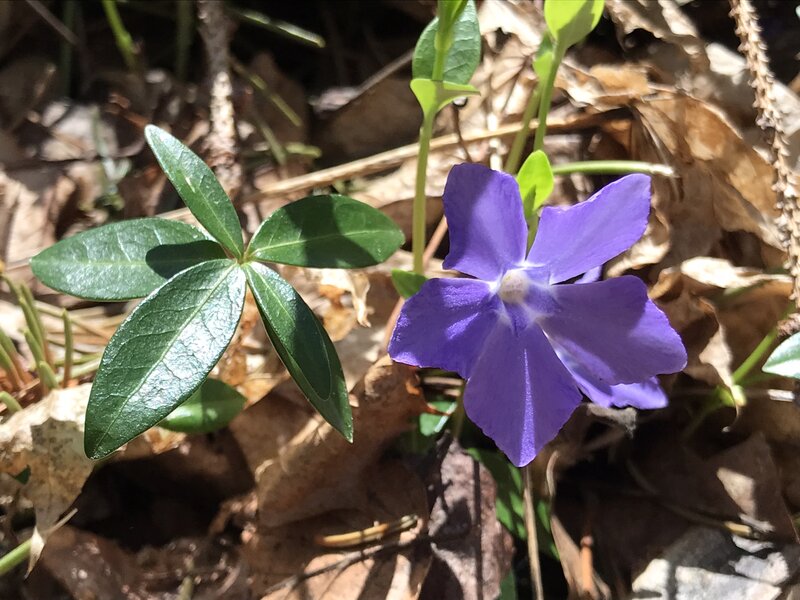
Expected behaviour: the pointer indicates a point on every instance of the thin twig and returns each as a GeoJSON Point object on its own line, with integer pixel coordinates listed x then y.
{"type": "Point", "coordinates": [223, 155]}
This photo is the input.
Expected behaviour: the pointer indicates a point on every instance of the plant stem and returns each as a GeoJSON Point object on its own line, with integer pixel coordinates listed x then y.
{"type": "Point", "coordinates": [184, 31]}
{"type": "Point", "coordinates": [15, 557]}
{"type": "Point", "coordinates": [68, 347]}
{"type": "Point", "coordinates": [282, 28]}
{"type": "Point", "coordinates": [121, 35]}
{"type": "Point", "coordinates": [756, 355]}
{"type": "Point", "coordinates": [11, 403]}
{"type": "Point", "coordinates": [546, 97]}
{"type": "Point", "coordinates": [613, 167]}
{"type": "Point", "coordinates": [457, 418]}
{"type": "Point", "coordinates": [419, 220]}
{"type": "Point", "coordinates": [530, 527]}
{"type": "Point", "coordinates": [515, 154]}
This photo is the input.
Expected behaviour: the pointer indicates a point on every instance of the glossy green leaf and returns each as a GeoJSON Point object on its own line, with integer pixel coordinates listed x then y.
{"type": "Point", "coordinates": [449, 10]}
{"type": "Point", "coordinates": [536, 182]}
{"type": "Point", "coordinates": [462, 56]}
{"type": "Point", "coordinates": [303, 345]}
{"type": "Point", "coordinates": [200, 190]}
{"type": "Point", "coordinates": [435, 95]}
{"type": "Point", "coordinates": [326, 231]}
{"type": "Point", "coordinates": [123, 260]}
{"type": "Point", "coordinates": [785, 359]}
{"type": "Point", "coordinates": [210, 408]}
{"type": "Point", "coordinates": [162, 353]}
{"type": "Point", "coordinates": [407, 283]}
{"type": "Point", "coordinates": [569, 21]}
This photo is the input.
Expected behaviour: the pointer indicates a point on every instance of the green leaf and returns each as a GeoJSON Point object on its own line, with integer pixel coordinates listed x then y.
{"type": "Point", "coordinates": [326, 231]}
{"type": "Point", "coordinates": [569, 21]}
{"type": "Point", "coordinates": [508, 587]}
{"type": "Point", "coordinates": [407, 283]}
{"type": "Point", "coordinates": [785, 360]}
{"type": "Point", "coordinates": [162, 353]}
{"type": "Point", "coordinates": [509, 504]}
{"type": "Point", "coordinates": [200, 190]}
{"type": "Point", "coordinates": [211, 407]}
{"type": "Point", "coordinates": [463, 55]}
{"type": "Point", "coordinates": [449, 10]}
{"type": "Point", "coordinates": [536, 182]}
{"type": "Point", "coordinates": [303, 345]}
{"type": "Point", "coordinates": [431, 424]}
{"type": "Point", "coordinates": [123, 260]}
{"type": "Point", "coordinates": [435, 95]}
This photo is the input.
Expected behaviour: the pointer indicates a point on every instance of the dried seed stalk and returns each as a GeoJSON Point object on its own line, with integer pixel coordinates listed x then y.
{"type": "Point", "coordinates": [770, 121]}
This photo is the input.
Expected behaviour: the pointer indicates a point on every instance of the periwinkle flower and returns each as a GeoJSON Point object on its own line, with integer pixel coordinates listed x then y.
{"type": "Point", "coordinates": [527, 342]}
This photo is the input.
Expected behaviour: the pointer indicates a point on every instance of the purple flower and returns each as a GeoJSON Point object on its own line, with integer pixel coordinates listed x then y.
{"type": "Point", "coordinates": [526, 343]}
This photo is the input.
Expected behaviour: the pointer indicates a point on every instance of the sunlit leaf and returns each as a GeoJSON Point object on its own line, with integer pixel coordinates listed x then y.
{"type": "Point", "coordinates": [303, 345]}
{"type": "Point", "coordinates": [162, 353]}
{"type": "Point", "coordinates": [326, 231]}
{"type": "Point", "coordinates": [435, 95]}
{"type": "Point", "coordinates": [462, 56]}
{"type": "Point", "coordinates": [569, 21]}
{"type": "Point", "coordinates": [123, 260]}
{"type": "Point", "coordinates": [785, 359]}
{"type": "Point", "coordinates": [536, 182]}
{"type": "Point", "coordinates": [200, 190]}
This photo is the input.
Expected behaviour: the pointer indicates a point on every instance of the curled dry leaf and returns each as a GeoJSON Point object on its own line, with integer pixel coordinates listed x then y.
{"type": "Point", "coordinates": [301, 465]}
{"type": "Point", "coordinates": [47, 438]}
{"type": "Point", "coordinates": [723, 185]}
{"type": "Point", "coordinates": [721, 311]}
{"type": "Point", "coordinates": [665, 20]}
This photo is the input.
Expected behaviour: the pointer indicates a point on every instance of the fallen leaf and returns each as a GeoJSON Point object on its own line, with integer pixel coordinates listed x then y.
{"type": "Point", "coordinates": [289, 565]}
{"type": "Point", "coordinates": [301, 465]}
{"type": "Point", "coordinates": [47, 438]}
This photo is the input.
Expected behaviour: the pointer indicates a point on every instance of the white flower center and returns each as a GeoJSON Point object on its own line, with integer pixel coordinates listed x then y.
{"type": "Point", "coordinates": [514, 287]}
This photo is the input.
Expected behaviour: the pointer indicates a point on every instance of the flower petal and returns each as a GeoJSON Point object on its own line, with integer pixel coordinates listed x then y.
{"type": "Point", "coordinates": [488, 233]}
{"type": "Point", "coordinates": [520, 394]}
{"type": "Point", "coordinates": [573, 240]}
{"type": "Point", "coordinates": [613, 331]}
{"type": "Point", "coordinates": [445, 325]}
{"type": "Point", "coordinates": [645, 395]}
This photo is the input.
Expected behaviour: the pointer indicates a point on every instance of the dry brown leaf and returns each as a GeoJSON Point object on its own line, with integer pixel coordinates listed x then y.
{"type": "Point", "coordinates": [47, 437]}
{"type": "Point", "coordinates": [289, 565]}
{"type": "Point", "coordinates": [721, 311]}
{"type": "Point", "coordinates": [665, 20]}
{"type": "Point", "coordinates": [723, 186]}
{"type": "Point", "coordinates": [301, 465]}
{"type": "Point", "coordinates": [740, 483]}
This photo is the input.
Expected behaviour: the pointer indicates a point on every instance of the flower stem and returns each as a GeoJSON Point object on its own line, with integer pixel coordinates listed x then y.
{"type": "Point", "coordinates": [546, 97]}
{"type": "Point", "coordinates": [756, 355]}
{"type": "Point", "coordinates": [14, 557]}
{"type": "Point", "coordinates": [418, 218]}
{"type": "Point", "coordinates": [515, 154]}
{"type": "Point", "coordinates": [613, 167]}
{"type": "Point", "coordinates": [530, 527]}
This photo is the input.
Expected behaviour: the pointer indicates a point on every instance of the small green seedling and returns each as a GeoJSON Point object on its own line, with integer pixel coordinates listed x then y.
{"type": "Point", "coordinates": [195, 285]}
